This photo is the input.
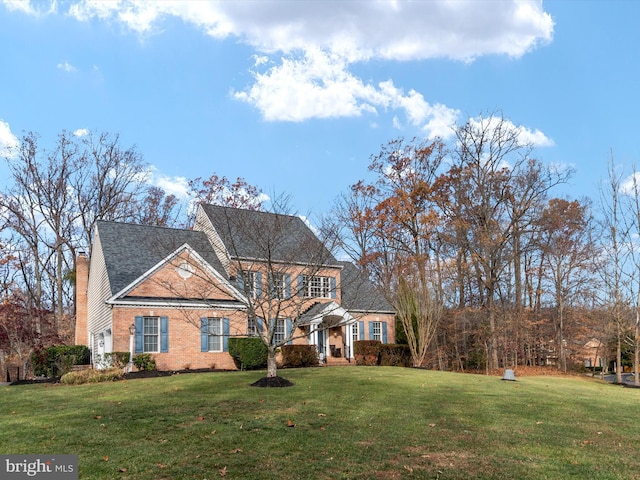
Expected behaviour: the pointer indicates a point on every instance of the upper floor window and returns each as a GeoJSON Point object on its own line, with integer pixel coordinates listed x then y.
{"type": "Point", "coordinates": [250, 283]}
{"type": "Point", "coordinates": [316, 286]}
{"type": "Point", "coordinates": [277, 285]}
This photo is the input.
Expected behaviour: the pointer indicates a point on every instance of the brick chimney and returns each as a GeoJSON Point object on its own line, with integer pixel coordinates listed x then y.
{"type": "Point", "coordinates": [82, 283]}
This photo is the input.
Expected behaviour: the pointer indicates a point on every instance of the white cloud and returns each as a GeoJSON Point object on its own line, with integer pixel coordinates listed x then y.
{"type": "Point", "coordinates": [178, 186]}
{"type": "Point", "coordinates": [67, 67]}
{"type": "Point", "coordinates": [630, 184]}
{"type": "Point", "coordinates": [25, 6]}
{"type": "Point", "coordinates": [535, 138]}
{"type": "Point", "coordinates": [81, 132]}
{"type": "Point", "coordinates": [306, 50]}
{"type": "Point", "coordinates": [321, 86]}
{"type": "Point", "coordinates": [8, 141]}
{"type": "Point", "coordinates": [398, 30]}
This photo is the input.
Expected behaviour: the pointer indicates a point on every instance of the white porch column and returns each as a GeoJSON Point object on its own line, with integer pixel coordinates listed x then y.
{"type": "Point", "coordinates": [349, 339]}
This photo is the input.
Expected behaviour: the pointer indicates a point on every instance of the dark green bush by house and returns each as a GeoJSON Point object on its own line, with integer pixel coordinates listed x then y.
{"type": "Point", "coordinates": [367, 352]}
{"type": "Point", "coordinates": [299, 356]}
{"type": "Point", "coordinates": [394, 355]}
{"type": "Point", "coordinates": [248, 353]}
{"type": "Point", "coordinates": [144, 361]}
{"type": "Point", "coordinates": [57, 360]}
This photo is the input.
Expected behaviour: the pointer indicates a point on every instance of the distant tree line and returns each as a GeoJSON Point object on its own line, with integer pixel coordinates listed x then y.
{"type": "Point", "coordinates": [485, 266]}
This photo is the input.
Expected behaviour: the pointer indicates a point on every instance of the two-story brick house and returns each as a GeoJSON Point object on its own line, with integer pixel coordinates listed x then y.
{"type": "Point", "coordinates": [183, 293]}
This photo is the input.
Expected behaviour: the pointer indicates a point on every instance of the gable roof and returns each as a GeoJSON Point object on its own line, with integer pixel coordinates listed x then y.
{"type": "Point", "coordinates": [131, 250]}
{"type": "Point", "coordinates": [256, 235]}
{"type": "Point", "coordinates": [359, 294]}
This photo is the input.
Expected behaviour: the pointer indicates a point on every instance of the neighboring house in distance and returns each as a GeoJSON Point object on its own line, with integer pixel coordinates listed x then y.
{"type": "Point", "coordinates": [185, 292]}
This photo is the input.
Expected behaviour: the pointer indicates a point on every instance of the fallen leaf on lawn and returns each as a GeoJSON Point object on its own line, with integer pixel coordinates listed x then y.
{"type": "Point", "coordinates": [290, 423]}
{"type": "Point", "coordinates": [214, 432]}
{"type": "Point", "coordinates": [201, 418]}
{"type": "Point", "coordinates": [98, 417]}
{"type": "Point", "coordinates": [105, 458]}
{"type": "Point", "coordinates": [432, 425]}
{"type": "Point", "coordinates": [409, 469]}
{"type": "Point", "coordinates": [236, 450]}
{"type": "Point", "coordinates": [161, 465]}
{"type": "Point", "coordinates": [223, 471]}
{"type": "Point", "coordinates": [103, 425]}
{"type": "Point", "coordinates": [538, 423]}
{"type": "Point", "coordinates": [322, 428]}
{"type": "Point", "coordinates": [261, 400]}
{"type": "Point", "coordinates": [123, 470]}
{"type": "Point", "coordinates": [322, 415]}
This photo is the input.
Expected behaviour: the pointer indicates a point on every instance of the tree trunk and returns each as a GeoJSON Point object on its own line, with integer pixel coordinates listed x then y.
{"type": "Point", "coordinates": [619, 357]}
{"type": "Point", "coordinates": [272, 367]}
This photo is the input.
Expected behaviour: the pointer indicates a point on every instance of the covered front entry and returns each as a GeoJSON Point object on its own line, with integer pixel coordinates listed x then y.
{"type": "Point", "coordinates": [331, 330]}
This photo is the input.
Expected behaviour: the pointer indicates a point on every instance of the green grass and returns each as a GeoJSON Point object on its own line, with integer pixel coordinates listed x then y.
{"type": "Point", "coordinates": [350, 423]}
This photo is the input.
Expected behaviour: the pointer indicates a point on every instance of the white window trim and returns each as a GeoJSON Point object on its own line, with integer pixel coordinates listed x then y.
{"type": "Point", "coordinates": [145, 335]}
{"type": "Point", "coordinates": [323, 289]}
{"type": "Point", "coordinates": [214, 336]}
{"type": "Point", "coordinates": [377, 331]}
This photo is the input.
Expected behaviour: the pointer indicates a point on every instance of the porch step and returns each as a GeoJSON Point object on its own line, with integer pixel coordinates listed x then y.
{"type": "Point", "coordinates": [339, 361]}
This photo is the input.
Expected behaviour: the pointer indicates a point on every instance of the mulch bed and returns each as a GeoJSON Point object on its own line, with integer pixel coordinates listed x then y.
{"type": "Point", "coordinates": [269, 382]}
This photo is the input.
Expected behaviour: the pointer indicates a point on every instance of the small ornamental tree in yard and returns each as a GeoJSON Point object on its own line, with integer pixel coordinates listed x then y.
{"type": "Point", "coordinates": [419, 313]}
{"type": "Point", "coordinates": [281, 268]}
{"type": "Point", "coordinates": [278, 281]}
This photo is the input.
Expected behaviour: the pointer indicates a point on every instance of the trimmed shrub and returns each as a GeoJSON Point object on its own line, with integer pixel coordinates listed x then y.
{"type": "Point", "coordinates": [394, 355]}
{"type": "Point", "coordinates": [144, 361]}
{"type": "Point", "coordinates": [92, 376]}
{"type": "Point", "coordinates": [299, 356]}
{"type": "Point", "coordinates": [367, 352]}
{"type": "Point", "coordinates": [248, 353]}
{"type": "Point", "coordinates": [57, 360]}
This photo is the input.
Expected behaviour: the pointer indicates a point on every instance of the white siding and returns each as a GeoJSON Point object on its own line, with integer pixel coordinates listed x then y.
{"type": "Point", "coordinates": [203, 224]}
{"type": "Point", "coordinates": [98, 312]}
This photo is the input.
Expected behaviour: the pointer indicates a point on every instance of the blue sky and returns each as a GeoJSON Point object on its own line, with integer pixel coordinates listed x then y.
{"type": "Point", "coordinates": [295, 96]}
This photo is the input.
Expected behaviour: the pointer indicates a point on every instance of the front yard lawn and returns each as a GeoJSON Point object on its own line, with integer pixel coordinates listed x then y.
{"type": "Point", "coordinates": [350, 423]}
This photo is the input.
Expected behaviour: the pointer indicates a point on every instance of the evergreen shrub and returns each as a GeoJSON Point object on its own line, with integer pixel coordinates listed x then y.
{"type": "Point", "coordinates": [56, 360]}
{"type": "Point", "coordinates": [296, 356]}
{"type": "Point", "coordinates": [367, 352]}
{"type": "Point", "coordinates": [144, 361]}
{"type": "Point", "coordinates": [248, 353]}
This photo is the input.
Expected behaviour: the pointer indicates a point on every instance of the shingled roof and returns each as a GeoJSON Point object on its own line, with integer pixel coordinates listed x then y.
{"type": "Point", "coordinates": [359, 293]}
{"type": "Point", "coordinates": [250, 234]}
{"type": "Point", "coordinates": [131, 250]}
